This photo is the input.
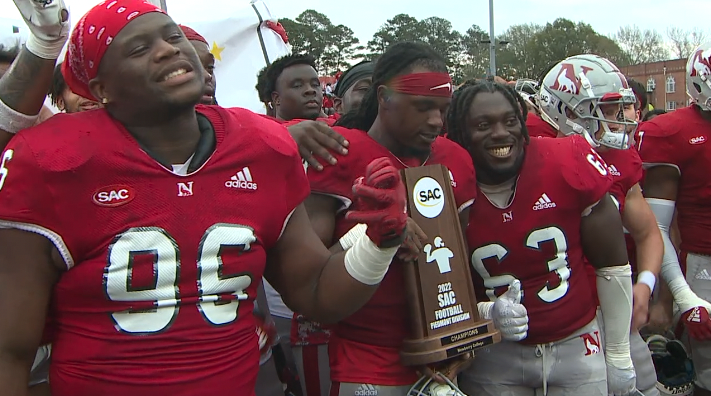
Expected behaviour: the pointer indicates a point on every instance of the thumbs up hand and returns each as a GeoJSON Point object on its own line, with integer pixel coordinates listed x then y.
{"type": "Point", "coordinates": [509, 315]}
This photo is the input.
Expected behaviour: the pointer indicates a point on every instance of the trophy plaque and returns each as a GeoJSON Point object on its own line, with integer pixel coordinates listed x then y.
{"type": "Point", "coordinates": [443, 313]}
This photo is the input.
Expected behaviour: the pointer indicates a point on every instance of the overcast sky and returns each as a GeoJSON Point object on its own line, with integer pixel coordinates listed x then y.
{"type": "Point", "coordinates": [366, 16]}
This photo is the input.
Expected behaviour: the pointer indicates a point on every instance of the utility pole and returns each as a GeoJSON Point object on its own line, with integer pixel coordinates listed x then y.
{"type": "Point", "coordinates": [163, 5]}
{"type": "Point", "coordinates": [492, 42]}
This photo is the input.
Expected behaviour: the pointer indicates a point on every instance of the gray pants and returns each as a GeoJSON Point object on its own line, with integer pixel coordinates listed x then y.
{"type": "Point", "coordinates": [344, 389]}
{"type": "Point", "coordinates": [570, 367]}
{"type": "Point", "coordinates": [698, 275]}
{"type": "Point", "coordinates": [643, 365]}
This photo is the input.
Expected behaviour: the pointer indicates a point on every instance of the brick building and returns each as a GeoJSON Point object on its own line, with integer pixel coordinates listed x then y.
{"type": "Point", "coordinates": [665, 81]}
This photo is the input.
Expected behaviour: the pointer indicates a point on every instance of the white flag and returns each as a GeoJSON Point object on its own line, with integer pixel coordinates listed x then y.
{"type": "Point", "coordinates": [241, 42]}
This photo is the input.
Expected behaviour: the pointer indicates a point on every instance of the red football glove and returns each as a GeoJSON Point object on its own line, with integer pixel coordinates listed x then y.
{"type": "Point", "coordinates": [697, 323]}
{"type": "Point", "coordinates": [382, 202]}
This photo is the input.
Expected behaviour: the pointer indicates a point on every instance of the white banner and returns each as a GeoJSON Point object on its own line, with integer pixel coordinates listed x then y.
{"type": "Point", "coordinates": [239, 39]}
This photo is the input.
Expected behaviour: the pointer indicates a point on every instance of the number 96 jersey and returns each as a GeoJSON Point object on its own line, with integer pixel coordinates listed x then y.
{"type": "Point", "coordinates": [162, 267]}
{"type": "Point", "coordinates": [536, 238]}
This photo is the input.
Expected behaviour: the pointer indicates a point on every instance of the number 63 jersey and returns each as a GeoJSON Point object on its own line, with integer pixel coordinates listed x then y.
{"type": "Point", "coordinates": [162, 268]}
{"type": "Point", "coordinates": [536, 238]}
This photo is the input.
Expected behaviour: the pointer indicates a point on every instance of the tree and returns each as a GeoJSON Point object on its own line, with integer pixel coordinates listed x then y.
{"type": "Point", "coordinates": [317, 30]}
{"type": "Point", "coordinates": [438, 33]}
{"type": "Point", "coordinates": [343, 46]}
{"type": "Point", "coordinates": [641, 46]}
{"type": "Point", "coordinates": [475, 53]}
{"type": "Point", "coordinates": [683, 41]}
{"type": "Point", "coordinates": [297, 36]}
{"type": "Point", "coordinates": [563, 38]}
{"type": "Point", "coordinates": [518, 54]}
{"type": "Point", "coordinates": [401, 27]}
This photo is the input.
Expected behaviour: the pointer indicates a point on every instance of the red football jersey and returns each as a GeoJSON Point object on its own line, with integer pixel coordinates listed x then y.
{"type": "Point", "coordinates": [536, 238]}
{"type": "Point", "coordinates": [681, 138]}
{"type": "Point", "coordinates": [539, 128]}
{"type": "Point", "coordinates": [366, 346]}
{"type": "Point", "coordinates": [625, 167]}
{"type": "Point", "coordinates": [163, 269]}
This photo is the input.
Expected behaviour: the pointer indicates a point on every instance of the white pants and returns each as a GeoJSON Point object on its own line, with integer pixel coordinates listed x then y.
{"type": "Point", "coordinates": [698, 271]}
{"type": "Point", "coordinates": [570, 367]}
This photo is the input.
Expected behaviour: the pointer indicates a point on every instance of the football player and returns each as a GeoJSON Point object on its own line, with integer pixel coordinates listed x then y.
{"type": "Point", "coordinates": [676, 151]}
{"type": "Point", "coordinates": [149, 224]}
{"type": "Point", "coordinates": [546, 204]}
{"type": "Point", "coordinates": [400, 118]}
{"type": "Point", "coordinates": [586, 95]}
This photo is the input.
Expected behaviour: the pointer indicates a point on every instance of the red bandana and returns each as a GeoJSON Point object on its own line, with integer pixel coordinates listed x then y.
{"type": "Point", "coordinates": [192, 35]}
{"type": "Point", "coordinates": [91, 38]}
{"type": "Point", "coordinates": [423, 84]}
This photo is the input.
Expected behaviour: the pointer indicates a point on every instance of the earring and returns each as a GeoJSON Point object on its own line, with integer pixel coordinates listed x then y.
{"type": "Point", "coordinates": [104, 101]}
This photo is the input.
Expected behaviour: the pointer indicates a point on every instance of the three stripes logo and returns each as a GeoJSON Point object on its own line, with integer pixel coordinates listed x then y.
{"type": "Point", "coordinates": [242, 179]}
{"type": "Point", "coordinates": [694, 316]}
{"type": "Point", "coordinates": [543, 203]}
{"type": "Point", "coordinates": [367, 390]}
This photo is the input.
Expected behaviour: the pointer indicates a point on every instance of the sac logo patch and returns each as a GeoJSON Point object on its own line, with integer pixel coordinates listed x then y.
{"type": "Point", "coordinates": [114, 195]}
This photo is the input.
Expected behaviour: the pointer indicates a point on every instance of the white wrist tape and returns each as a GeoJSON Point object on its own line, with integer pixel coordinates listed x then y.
{"type": "Point", "coordinates": [366, 262]}
{"type": "Point", "coordinates": [352, 236]}
{"type": "Point", "coordinates": [44, 49]}
{"type": "Point", "coordinates": [647, 278]}
{"type": "Point", "coordinates": [13, 121]}
{"type": "Point", "coordinates": [684, 297]}
{"type": "Point", "coordinates": [485, 310]}
{"type": "Point", "coordinates": [614, 289]}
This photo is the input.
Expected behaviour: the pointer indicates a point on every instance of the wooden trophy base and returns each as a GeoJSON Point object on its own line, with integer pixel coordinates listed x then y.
{"type": "Point", "coordinates": [448, 345]}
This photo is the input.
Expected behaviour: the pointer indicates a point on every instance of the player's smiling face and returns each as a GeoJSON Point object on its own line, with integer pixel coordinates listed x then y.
{"type": "Point", "coordinates": [150, 67]}
{"type": "Point", "coordinates": [496, 137]}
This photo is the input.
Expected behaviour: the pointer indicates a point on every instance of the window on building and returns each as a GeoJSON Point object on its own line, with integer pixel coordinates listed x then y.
{"type": "Point", "coordinates": [671, 84]}
{"type": "Point", "coordinates": [671, 106]}
{"type": "Point", "coordinates": [651, 84]}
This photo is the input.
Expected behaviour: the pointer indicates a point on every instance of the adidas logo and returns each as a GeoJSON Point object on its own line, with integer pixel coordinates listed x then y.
{"type": "Point", "coordinates": [694, 316]}
{"type": "Point", "coordinates": [366, 390]}
{"type": "Point", "coordinates": [614, 171]}
{"type": "Point", "coordinates": [544, 203]}
{"type": "Point", "coordinates": [703, 275]}
{"type": "Point", "coordinates": [242, 179]}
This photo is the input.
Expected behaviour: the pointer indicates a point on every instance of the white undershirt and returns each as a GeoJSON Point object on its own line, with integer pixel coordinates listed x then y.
{"type": "Point", "coordinates": [182, 169]}
{"type": "Point", "coordinates": [499, 195]}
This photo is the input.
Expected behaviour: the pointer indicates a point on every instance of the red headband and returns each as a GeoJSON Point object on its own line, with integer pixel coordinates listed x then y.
{"type": "Point", "coordinates": [424, 84]}
{"type": "Point", "coordinates": [191, 34]}
{"type": "Point", "coordinates": [91, 38]}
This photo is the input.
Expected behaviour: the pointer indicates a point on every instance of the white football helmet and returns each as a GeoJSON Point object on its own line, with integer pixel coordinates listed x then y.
{"type": "Point", "coordinates": [528, 89]}
{"type": "Point", "coordinates": [573, 91]}
{"type": "Point", "coordinates": [698, 76]}
{"type": "Point", "coordinates": [426, 386]}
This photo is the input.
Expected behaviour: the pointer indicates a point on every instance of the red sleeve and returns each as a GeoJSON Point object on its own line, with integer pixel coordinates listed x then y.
{"type": "Point", "coordinates": [658, 144]}
{"type": "Point", "coordinates": [335, 180]}
{"type": "Point", "coordinates": [539, 128]}
{"type": "Point", "coordinates": [26, 201]}
{"type": "Point", "coordinates": [290, 165]}
{"type": "Point", "coordinates": [586, 172]}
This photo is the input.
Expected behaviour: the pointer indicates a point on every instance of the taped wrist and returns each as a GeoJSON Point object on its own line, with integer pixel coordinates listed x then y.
{"type": "Point", "coordinates": [13, 121]}
{"type": "Point", "coordinates": [352, 236]}
{"type": "Point", "coordinates": [44, 49]}
{"type": "Point", "coordinates": [614, 289]}
{"type": "Point", "coordinates": [366, 262]}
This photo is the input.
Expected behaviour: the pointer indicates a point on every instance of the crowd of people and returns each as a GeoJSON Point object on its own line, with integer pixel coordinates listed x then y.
{"type": "Point", "coordinates": [586, 219]}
